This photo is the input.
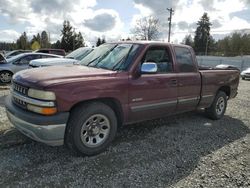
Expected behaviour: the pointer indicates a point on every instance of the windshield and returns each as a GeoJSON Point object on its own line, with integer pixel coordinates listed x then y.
{"type": "Point", "coordinates": [108, 56]}
{"type": "Point", "coordinates": [9, 53]}
{"type": "Point", "coordinates": [14, 58]}
{"type": "Point", "coordinates": [79, 54]}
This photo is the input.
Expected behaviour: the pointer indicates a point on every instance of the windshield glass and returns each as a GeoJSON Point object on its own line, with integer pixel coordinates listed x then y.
{"type": "Point", "coordinates": [79, 54]}
{"type": "Point", "coordinates": [14, 58]}
{"type": "Point", "coordinates": [9, 53]}
{"type": "Point", "coordinates": [107, 56]}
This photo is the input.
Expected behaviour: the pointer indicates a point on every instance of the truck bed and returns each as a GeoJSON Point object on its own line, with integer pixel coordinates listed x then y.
{"type": "Point", "coordinates": [214, 78]}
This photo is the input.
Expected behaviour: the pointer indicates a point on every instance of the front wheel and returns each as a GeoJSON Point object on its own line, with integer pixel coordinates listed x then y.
{"type": "Point", "coordinates": [5, 77]}
{"type": "Point", "coordinates": [218, 107]}
{"type": "Point", "coordinates": [91, 128]}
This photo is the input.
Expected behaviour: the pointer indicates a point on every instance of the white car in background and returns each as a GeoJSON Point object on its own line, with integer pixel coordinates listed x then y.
{"type": "Point", "coordinates": [8, 67]}
{"type": "Point", "coordinates": [245, 74]}
{"type": "Point", "coordinates": [73, 57]}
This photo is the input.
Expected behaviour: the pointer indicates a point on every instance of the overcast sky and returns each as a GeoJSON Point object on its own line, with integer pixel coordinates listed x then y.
{"type": "Point", "coordinates": [114, 19]}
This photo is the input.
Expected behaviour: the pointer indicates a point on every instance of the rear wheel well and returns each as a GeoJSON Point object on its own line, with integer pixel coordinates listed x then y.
{"type": "Point", "coordinates": [226, 90]}
{"type": "Point", "coordinates": [111, 102]}
{"type": "Point", "coordinates": [7, 71]}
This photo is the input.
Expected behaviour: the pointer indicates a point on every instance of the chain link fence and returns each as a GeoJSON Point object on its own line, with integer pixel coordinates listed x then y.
{"type": "Point", "coordinates": [241, 62]}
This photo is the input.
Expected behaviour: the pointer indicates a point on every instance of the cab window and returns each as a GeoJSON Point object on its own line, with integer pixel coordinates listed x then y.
{"type": "Point", "coordinates": [184, 59]}
{"type": "Point", "coordinates": [160, 56]}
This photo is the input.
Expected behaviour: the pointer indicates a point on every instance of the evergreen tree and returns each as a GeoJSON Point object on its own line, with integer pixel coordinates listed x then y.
{"type": "Point", "coordinates": [44, 40]}
{"type": "Point", "coordinates": [38, 38]}
{"type": "Point", "coordinates": [103, 41]}
{"type": "Point", "coordinates": [188, 40]}
{"type": "Point", "coordinates": [78, 40]}
{"type": "Point", "coordinates": [67, 36]}
{"type": "Point", "coordinates": [22, 42]}
{"type": "Point", "coordinates": [99, 42]}
{"type": "Point", "coordinates": [56, 45]}
{"type": "Point", "coordinates": [202, 35]}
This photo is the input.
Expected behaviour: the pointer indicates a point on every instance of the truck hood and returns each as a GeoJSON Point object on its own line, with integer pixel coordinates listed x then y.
{"type": "Point", "coordinates": [54, 75]}
{"type": "Point", "coordinates": [51, 62]}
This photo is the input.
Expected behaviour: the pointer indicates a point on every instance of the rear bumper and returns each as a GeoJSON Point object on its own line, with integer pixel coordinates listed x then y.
{"type": "Point", "coordinates": [46, 129]}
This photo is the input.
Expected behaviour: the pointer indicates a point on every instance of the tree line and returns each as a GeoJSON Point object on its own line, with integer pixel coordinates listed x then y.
{"type": "Point", "coordinates": [237, 43]}
{"type": "Point", "coordinates": [70, 40]}
{"type": "Point", "coordinates": [145, 29]}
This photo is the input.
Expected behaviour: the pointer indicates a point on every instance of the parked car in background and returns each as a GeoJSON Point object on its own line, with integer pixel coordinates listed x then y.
{"type": "Point", "coordinates": [52, 51]}
{"type": "Point", "coordinates": [15, 52]}
{"type": "Point", "coordinates": [71, 58]}
{"type": "Point", "coordinates": [2, 58]}
{"type": "Point", "coordinates": [18, 63]}
{"type": "Point", "coordinates": [225, 66]}
{"type": "Point", "coordinates": [83, 105]}
{"type": "Point", "coordinates": [245, 74]}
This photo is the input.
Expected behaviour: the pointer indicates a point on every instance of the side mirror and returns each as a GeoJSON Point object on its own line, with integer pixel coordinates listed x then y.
{"type": "Point", "coordinates": [149, 68]}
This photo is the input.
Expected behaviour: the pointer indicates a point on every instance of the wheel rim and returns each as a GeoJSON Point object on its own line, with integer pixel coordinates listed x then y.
{"type": "Point", "coordinates": [5, 77]}
{"type": "Point", "coordinates": [95, 130]}
{"type": "Point", "coordinates": [220, 105]}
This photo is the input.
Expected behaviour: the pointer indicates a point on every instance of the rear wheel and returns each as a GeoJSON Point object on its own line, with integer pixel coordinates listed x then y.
{"type": "Point", "coordinates": [218, 107]}
{"type": "Point", "coordinates": [5, 77]}
{"type": "Point", "coordinates": [91, 128]}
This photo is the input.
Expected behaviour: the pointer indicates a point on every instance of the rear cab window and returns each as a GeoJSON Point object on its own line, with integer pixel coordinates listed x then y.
{"type": "Point", "coordinates": [184, 59]}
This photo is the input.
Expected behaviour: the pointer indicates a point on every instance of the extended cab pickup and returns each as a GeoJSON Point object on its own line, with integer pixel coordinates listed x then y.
{"type": "Point", "coordinates": [117, 83]}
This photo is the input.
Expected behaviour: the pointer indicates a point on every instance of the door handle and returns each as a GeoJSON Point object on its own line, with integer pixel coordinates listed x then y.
{"type": "Point", "coordinates": [173, 82]}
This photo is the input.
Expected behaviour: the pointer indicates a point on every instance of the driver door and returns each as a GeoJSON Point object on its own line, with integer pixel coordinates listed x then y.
{"type": "Point", "coordinates": [154, 95]}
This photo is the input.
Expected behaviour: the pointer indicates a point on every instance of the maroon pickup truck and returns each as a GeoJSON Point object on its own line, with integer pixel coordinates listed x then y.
{"type": "Point", "coordinates": [82, 105]}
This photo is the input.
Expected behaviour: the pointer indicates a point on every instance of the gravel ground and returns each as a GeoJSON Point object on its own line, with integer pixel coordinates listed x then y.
{"type": "Point", "coordinates": [187, 150]}
{"type": "Point", "coordinates": [4, 123]}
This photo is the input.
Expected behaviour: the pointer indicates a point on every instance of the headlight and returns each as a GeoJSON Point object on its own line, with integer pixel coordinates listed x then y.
{"type": "Point", "coordinates": [44, 95]}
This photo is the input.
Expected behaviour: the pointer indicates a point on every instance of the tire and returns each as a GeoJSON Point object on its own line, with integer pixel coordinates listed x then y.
{"type": "Point", "coordinates": [243, 78]}
{"type": "Point", "coordinates": [86, 135]}
{"type": "Point", "coordinates": [5, 77]}
{"type": "Point", "coordinates": [218, 108]}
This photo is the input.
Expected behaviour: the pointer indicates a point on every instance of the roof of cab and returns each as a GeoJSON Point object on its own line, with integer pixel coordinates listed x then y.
{"type": "Point", "coordinates": [146, 42]}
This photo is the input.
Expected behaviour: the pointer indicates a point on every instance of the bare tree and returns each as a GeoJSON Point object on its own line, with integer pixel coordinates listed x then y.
{"type": "Point", "coordinates": [146, 28]}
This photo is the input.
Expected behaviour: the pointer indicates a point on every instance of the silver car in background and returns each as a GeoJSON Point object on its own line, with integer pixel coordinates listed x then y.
{"type": "Point", "coordinates": [10, 66]}
{"type": "Point", "coordinates": [71, 58]}
{"type": "Point", "coordinates": [245, 74]}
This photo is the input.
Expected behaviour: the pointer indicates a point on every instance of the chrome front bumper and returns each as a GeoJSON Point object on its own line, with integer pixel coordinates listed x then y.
{"type": "Point", "coordinates": [46, 129]}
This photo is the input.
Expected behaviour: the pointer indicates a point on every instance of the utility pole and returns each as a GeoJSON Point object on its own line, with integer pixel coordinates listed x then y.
{"type": "Point", "coordinates": [171, 11]}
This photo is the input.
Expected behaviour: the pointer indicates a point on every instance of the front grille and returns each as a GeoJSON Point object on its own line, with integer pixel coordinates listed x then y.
{"type": "Point", "coordinates": [19, 102]}
{"type": "Point", "coordinates": [20, 89]}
